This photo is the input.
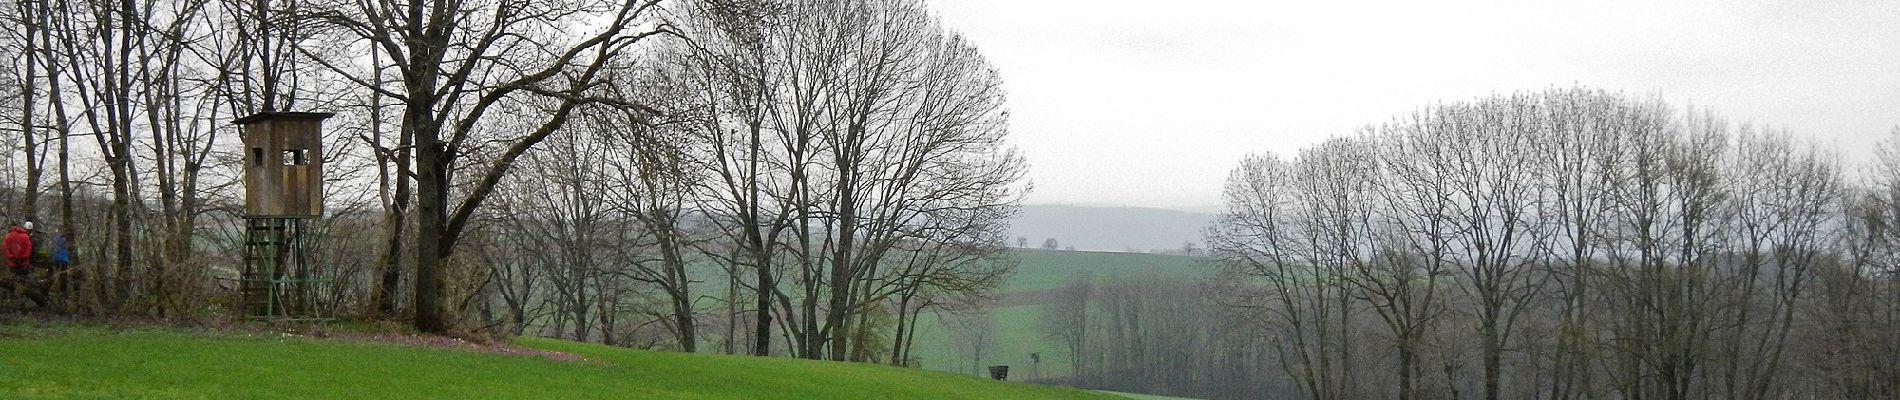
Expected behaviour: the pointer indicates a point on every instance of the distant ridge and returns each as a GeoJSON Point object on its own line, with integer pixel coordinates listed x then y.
{"type": "Point", "coordinates": [1109, 228]}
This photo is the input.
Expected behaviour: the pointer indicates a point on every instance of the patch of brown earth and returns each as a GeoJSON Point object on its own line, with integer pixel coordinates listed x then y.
{"type": "Point", "coordinates": [384, 333]}
{"type": "Point", "coordinates": [448, 342]}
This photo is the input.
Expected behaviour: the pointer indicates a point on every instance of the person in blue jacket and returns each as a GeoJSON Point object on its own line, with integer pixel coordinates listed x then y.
{"type": "Point", "coordinates": [60, 257]}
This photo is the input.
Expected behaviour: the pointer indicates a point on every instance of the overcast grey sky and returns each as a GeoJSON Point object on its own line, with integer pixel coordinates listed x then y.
{"type": "Point", "coordinates": [1150, 103]}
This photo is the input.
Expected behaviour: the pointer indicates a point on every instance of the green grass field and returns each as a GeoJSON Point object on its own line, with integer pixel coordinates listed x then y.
{"type": "Point", "coordinates": [72, 361]}
{"type": "Point", "coordinates": [68, 361]}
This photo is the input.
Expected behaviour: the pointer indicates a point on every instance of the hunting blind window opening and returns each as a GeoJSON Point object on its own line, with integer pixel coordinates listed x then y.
{"type": "Point", "coordinates": [293, 157]}
{"type": "Point", "coordinates": [257, 156]}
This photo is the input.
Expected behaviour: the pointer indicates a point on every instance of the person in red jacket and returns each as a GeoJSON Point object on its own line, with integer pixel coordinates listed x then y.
{"type": "Point", "coordinates": [18, 248]}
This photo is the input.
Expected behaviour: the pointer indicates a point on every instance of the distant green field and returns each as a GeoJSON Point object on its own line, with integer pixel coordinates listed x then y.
{"type": "Point", "coordinates": [1017, 334]}
{"type": "Point", "coordinates": [1016, 338]}
{"type": "Point", "coordinates": [1049, 269]}
{"type": "Point", "coordinates": [66, 361]}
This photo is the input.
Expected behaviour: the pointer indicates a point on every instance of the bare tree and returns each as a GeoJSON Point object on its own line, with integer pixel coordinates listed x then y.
{"type": "Point", "coordinates": [1403, 284]}
{"type": "Point", "coordinates": [845, 130]}
{"type": "Point", "coordinates": [1853, 353]}
{"type": "Point", "coordinates": [28, 24]}
{"type": "Point", "coordinates": [511, 53]}
{"type": "Point", "coordinates": [1066, 320]}
{"type": "Point", "coordinates": [1579, 152]}
{"type": "Point", "coordinates": [974, 331]}
{"type": "Point", "coordinates": [1298, 227]}
{"type": "Point", "coordinates": [729, 62]}
{"type": "Point", "coordinates": [1784, 197]}
{"type": "Point", "coordinates": [653, 182]}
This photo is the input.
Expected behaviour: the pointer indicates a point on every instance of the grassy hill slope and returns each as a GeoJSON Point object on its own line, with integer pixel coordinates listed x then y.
{"type": "Point", "coordinates": [64, 361]}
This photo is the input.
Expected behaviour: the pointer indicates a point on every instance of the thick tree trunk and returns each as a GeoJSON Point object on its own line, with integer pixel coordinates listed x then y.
{"type": "Point", "coordinates": [420, 124]}
{"type": "Point", "coordinates": [1408, 360]}
{"type": "Point", "coordinates": [432, 184]}
{"type": "Point", "coordinates": [681, 290]}
{"type": "Point", "coordinates": [762, 332]}
{"type": "Point", "coordinates": [29, 206]}
{"type": "Point", "coordinates": [390, 280]}
{"type": "Point", "coordinates": [1492, 367]}
{"type": "Point", "coordinates": [58, 103]}
{"type": "Point", "coordinates": [397, 207]}
{"type": "Point", "coordinates": [431, 218]}
{"type": "Point", "coordinates": [732, 311]}
{"type": "Point", "coordinates": [898, 345]}
{"type": "Point", "coordinates": [838, 305]}
{"type": "Point", "coordinates": [122, 229]}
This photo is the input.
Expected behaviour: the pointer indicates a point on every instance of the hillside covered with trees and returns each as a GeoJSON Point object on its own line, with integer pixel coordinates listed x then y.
{"type": "Point", "coordinates": [771, 178]}
{"type": "Point", "coordinates": [1567, 243]}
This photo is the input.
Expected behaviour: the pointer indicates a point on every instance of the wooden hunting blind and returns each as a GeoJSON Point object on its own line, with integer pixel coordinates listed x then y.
{"type": "Point", "coordinates": [283, 164]}
{"type": "Point", "coordinates": [283, 191]}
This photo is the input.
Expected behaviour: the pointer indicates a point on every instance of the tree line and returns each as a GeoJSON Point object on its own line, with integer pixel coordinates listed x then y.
{"type": "Point", "coordinates": [1566, 244]}
{"type": "Point", "coordinates": [1158, 335]}
{"type": "Point", "coordinates": [798, 178]}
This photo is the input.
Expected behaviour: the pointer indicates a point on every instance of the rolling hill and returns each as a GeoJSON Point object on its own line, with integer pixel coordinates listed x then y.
{"type": "Point", "coordinates": [1109, 228]}
{"type": "Point", "coordinates": [70, 361]}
